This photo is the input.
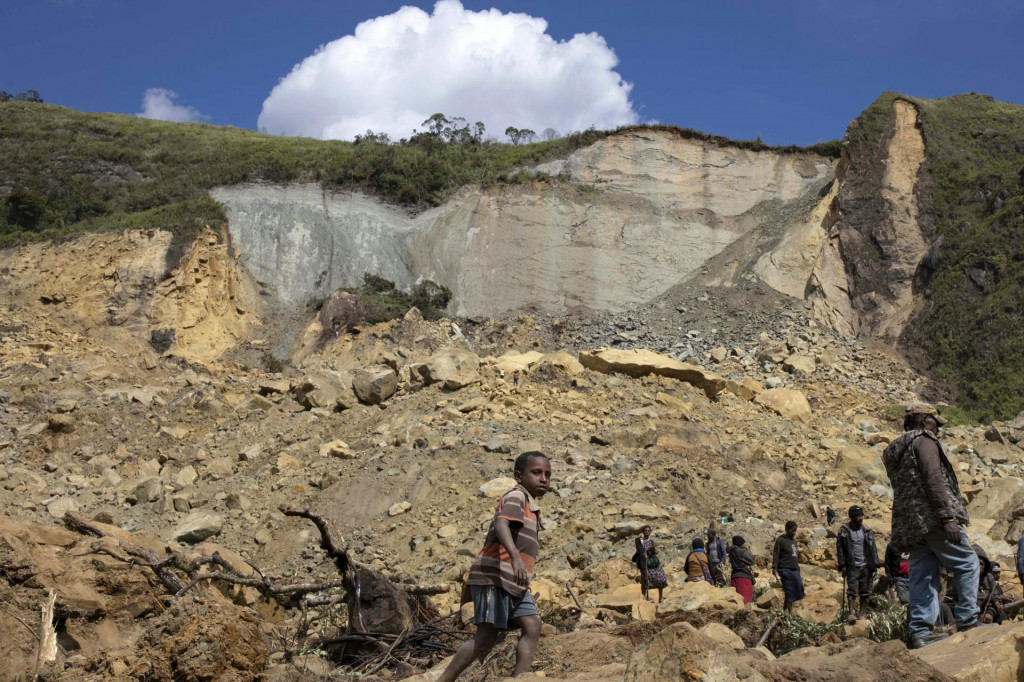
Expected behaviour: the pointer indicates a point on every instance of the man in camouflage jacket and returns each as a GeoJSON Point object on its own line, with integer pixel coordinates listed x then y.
{"type": "Point", "coordinates": [928, 513]}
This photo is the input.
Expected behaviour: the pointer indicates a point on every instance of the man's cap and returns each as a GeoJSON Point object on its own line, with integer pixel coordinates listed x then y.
{"type": "Point", "coordinates": [738, 541]}
{"type": "Point", "coordinates": [925, 408]}
{"type": "Point", "coordinates": [856, 511]}
{"type": "Point", "coordinates": [996, 568]}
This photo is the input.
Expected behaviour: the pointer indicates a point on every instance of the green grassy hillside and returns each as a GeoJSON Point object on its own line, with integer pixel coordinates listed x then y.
{"type": "Point", "coordinates": [973, 186]}
{"type": "Point", "coordinates": [63, 171]}
{"type": "Point", "coordinates": [971, 202]}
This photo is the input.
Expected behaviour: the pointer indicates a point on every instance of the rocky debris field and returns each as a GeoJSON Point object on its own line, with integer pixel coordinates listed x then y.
{"type": "Point", "coordinates": [403, 434]}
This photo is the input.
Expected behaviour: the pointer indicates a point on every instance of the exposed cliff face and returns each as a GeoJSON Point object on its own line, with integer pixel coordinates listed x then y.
{"type": "Point", "coordinates": [641, 211]}
{"type": "Point", "coordinates": [115, 288]}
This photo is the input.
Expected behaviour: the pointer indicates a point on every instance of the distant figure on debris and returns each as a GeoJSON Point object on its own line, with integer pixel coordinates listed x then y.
{"type": "Point", "coordinates": [927, 514]}
{"type": "Point", "coordinates": [830, 516]}
{"type": "Point", "coordinates": [716, 557]}
{"type": "Point", "coordinates": [515, 378]}
{"type": "Point", "coordinates": [652, 573]}
{"type": "Point", "coordinates": [697, 568]}
{"type": "Point", "coordinates": [500, 576]}
{"type": "Point", "coordinates": [501, 374]}
{"type": "Point", "coordinates": [990, 594]}
{"type": "Point", "coordinates": [897, 570]}
{"type": "Point", "coordinates": [786, 567]}
{"type": "Point", "coordinates": [857, 556]}
{"type": "Point", "coordinates": [1020, 560]}
{"type": "Point", "coordinates": [742, 562]}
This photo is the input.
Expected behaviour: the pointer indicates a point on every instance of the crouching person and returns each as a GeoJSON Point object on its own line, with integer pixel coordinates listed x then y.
{"type": "Point", "coordinates": [499, 578]}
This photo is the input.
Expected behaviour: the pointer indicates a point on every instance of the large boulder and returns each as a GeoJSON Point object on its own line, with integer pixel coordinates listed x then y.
{"type": "Point", "coordinates": [786, 402]}
{"type": "Point", "coordinates": [198, 526]}
{"type": "Point", "coordinates": [681, 652]}
{"type": "Point", "coordinates": [980, 655]}
{"type": "Point", "coordinates": [325, 389]}
{"type": "Point", "coordinates": [861, 463]}
{"type": "Point", "coordinates": [642, 362]}
{"type": "Point", "coordinates": [999, 496]}
{"type": "Point", "coordinates": [446, 362]}
{"type": "Point", "coordinates": [857, 659]}
{"type": "Point", "coordinates": [699, 597]}
{"type": "Point", "coordinates": [513, 360]}
{"type": "Point", "coordinates": [375, 384]}
{"type": "Point", "coordinates": [561, 361]}
{"type": "Point", "coordinates": [637, 436]}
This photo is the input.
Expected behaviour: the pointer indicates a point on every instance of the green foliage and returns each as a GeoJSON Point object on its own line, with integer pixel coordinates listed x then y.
{"type": "Point", "coordinates": [793, 632]}
{"type": "Point", "coordinates": [271, 364]}
{"type": "Point", "coordinates": [973, 188]}
{"type": "Point", "coordinates": [889, 621]}
{"type": "Point", "coordinates": [25, 209]}
{"type": "Point", "coordinates": [377, 285]}
{"type": "Point", "coordinates": [27, 96]}
{"type": "Point", "coordinates": [431, 298]}
{"type": "Point", "coordinates": [380, 300]}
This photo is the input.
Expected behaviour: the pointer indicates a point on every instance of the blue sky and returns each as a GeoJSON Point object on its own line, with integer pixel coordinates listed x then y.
{"type": "Point", "coordinates": [793, 72]}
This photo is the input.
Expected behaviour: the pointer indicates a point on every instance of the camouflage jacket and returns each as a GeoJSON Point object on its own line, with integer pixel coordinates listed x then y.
{"type": "Point", "coordinates": [914, 514]}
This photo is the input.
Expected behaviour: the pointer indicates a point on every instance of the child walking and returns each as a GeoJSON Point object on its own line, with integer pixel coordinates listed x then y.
{"type": "Point", "coordinates": [500, 576]}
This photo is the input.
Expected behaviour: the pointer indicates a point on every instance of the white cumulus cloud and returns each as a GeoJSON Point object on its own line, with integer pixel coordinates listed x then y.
{"type": "Point", "coordinates": [159, 103]}
{"type": "Point", "coordinates": [397, 70]}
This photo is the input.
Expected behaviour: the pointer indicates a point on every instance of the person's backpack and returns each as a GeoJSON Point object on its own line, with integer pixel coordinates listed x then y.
{"type": "Point", "coordinates": [653, 561]}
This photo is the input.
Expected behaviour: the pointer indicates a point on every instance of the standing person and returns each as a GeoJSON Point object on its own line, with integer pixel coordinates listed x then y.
{"type": "Point", "coordinates": [928, 513]}
{"type": "Point", "coordinates": [742, 562]}
{"type": "Point", "coordinates": [990, 594]}
{"type": "Point", "coordinates": [515, 378]}
{"type": "Point", "coordinates": [697, 568]}
{"type": "Point", "coordinates": [858, 560]}
{"type": "Point", "coordinates": [716, 557]}
{"type": "Point", "coordinates": [897, 570]}
{"type": "Point", "coordinates": [786, 567]}
{"type": "Point", "coordinates": [501, 374]}
{"type": "Point", "coordinates": [830, 516]}
{"type": "Point", "coordinates": [652, 573]}
{"type": "Point", "coordinates": [1020, 560]}
{"type": "Point", "coordinates": [500, 576]}
{"type": "Point", "coordinates": [640, 559]}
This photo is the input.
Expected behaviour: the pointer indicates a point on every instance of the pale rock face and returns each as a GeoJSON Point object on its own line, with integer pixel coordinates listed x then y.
{"type": "Point", "coordinates": [643, 210]}
{"type": "Point", "coordinates": [786, 402]}
{"type": "Point", "coordinates": [979, 655]}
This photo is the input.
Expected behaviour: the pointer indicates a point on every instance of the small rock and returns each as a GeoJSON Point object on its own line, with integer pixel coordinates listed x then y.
{"type": "Point", "coordinates": [198, 526]}
{"type": "Point", "coordinates": [498, 445]}
{"type": "Point", "coordinates": [399, 508]}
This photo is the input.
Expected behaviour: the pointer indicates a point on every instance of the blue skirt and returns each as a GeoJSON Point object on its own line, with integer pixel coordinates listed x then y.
{"type": "Point", "coordinates": [496, 606]}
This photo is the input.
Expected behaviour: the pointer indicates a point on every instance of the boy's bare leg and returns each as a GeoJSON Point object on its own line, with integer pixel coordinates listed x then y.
{"type": "Point", "coordinates": [477, 647]}
{"type": "Point", "coordinates": [527, 645]}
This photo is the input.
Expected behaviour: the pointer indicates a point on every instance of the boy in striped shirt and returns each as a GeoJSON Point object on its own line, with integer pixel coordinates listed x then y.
{"type": "Point", "coordinates": [500, 576]}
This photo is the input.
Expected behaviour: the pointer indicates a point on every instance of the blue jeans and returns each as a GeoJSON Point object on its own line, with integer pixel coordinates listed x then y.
{"type": "Point", "coordinates": [926, 557]}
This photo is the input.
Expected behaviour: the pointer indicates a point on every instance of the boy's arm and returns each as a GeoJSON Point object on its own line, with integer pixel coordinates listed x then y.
{"type": "Point", "coordinates": [775, 557]}
{"type": "Point", "coordinates": [504, 533]}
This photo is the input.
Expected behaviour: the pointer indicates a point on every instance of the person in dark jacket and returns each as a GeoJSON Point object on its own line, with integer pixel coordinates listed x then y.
{"type": "Point", "coordinates": [990, 594]}
{"type": "Point", "coordinates": [858, 561]}
{"type": "Point", "coordinates": [715, 549]}
{"type": "Point", "coordinates": [742, 562]}
{"type": "Point", "coordinates": [1020, 560]}
{"type": "Point", "coordinates": [830, 516]}
{"type": "Point", "coordinates": [897, 570]}
{"type": "Point", "coordinates": [928, 515]}
{"type": "Point", "coordinates": [786, 567]}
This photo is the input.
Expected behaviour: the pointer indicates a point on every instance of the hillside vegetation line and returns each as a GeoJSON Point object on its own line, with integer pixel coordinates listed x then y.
{"type": "Point", "coordinates": [63, 171]}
